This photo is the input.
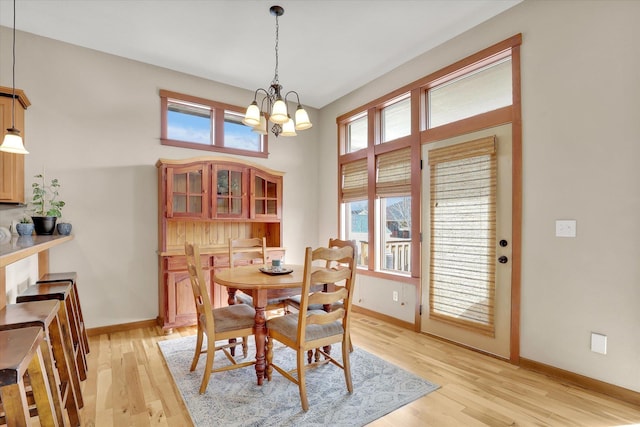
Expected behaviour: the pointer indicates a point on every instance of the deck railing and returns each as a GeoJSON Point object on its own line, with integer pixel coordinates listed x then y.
{"type": "Point", "coordinates": [397, 255]}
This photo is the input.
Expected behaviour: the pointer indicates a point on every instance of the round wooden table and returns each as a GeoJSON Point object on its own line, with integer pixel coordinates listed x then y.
{"type": "Point", "coordinates": [260, 285]}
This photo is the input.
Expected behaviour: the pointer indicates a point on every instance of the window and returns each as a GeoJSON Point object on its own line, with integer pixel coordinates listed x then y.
{"type": "Point", "coordinates": [355, 207]}
{"type": "Point", "coordinates": [380, 136]}
{"type": "Point", "coordinates": [188, 122]}
{"type": "Point", "coordinates": [395, 234]}
{"type": "Point", "coordinates": [357, 131]}
{"type": "Point", "coordinates": [355, 220]}
{"type": "Point", "coordinates": [202, 124]}
{"type": "Point", "coordinates": [396, 120]}
{"type": "Point", "coordinates": [480, 91]}
{"type": "Point", "coordinates": [393, 188]}
{"type": "Point", "coordinates": [463, 215]}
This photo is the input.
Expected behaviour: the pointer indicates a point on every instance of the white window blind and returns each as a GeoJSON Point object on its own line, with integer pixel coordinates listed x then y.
{"type": "Point", "coordinates": [463, 218]}
{"type": "Point", "coordinates": [354, 180]}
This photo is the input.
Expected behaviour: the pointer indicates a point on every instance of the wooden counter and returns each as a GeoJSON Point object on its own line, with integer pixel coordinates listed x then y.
{"type": "Point", "coordinates": [21, 247]}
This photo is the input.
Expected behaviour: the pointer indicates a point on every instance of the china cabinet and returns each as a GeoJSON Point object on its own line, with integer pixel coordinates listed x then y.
{"type": "Point", "coordinates": [207, 200]}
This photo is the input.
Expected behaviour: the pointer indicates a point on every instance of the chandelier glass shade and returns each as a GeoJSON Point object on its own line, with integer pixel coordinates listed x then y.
{"type": "Point", "coordinates": [12, 142]}
{"type": "Point", "coordinates": [273, 106]}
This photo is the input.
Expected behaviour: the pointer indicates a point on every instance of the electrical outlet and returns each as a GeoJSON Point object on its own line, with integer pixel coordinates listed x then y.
{"type": "Point", "coordinates": [395, 296]}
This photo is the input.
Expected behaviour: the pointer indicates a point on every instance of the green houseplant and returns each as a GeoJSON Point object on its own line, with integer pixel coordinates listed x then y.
{"type": "Point", "coordinates": [47, 208]}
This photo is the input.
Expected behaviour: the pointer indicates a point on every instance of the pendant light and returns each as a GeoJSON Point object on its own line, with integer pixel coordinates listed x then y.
{"type": "Point", "coordinates": [276, 105]}
{"type": "Point", "coordinates": [12, 142]}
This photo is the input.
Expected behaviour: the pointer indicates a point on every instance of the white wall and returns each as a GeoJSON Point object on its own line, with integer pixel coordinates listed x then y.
{"type": "Point", "coordinates": [581, 143]}
{"type": "Point", "coordinates": [94, 124]}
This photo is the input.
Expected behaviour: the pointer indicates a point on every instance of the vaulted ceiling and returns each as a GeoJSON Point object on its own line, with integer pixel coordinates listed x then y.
{"type": "Point", "coordinates": [326, 49]}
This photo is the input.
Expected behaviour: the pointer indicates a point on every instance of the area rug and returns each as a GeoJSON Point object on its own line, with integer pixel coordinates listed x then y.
{"type": "Point", "coordinates": [233, 398]}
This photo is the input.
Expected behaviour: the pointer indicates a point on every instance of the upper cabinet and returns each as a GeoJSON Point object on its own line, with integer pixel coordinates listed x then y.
{"type": "Point", "coordinates": [266, 200]}
{"type": "Point", "coordinates": [231, 184]}
{"type": "Point", "coordinates": [186, 191]}
{"type": "Point", "coordinates": [12, 165]}
{"type": "Point", "coordinates": [212, 188]}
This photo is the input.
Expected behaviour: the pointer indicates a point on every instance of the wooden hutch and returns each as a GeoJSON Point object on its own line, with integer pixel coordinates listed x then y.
{"type": "Point", "coordinates": [207, 200]}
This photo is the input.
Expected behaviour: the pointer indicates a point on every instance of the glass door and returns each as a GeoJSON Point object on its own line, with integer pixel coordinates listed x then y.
{"type": "Point", "coordinates": [186, 191]}
{"type": "Point", "coordinates": [231, 194]}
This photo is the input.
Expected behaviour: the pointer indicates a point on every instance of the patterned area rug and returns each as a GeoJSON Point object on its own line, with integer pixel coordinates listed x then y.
{"type": "Point", "coordinates": [233, 398]}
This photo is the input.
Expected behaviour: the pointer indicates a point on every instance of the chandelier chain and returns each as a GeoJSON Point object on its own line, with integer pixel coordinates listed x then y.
{"type": "Point", "coordinates": [276, 80]}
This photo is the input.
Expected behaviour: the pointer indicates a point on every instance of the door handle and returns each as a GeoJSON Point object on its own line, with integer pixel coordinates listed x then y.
{"type": "Point", "coordinates": [503, 259]}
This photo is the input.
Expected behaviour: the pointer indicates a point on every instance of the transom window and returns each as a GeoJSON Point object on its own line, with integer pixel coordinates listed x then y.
{"type": "Point", "coordinates": [202, 124]}
{"type": "Point", "coordinates": [485, 89]}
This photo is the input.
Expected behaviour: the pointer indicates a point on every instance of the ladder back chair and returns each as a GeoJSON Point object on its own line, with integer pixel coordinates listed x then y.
{"type": "Point", "coordinates": [315, 329]}
{"type": "Point", "coordinates": [294, 301]}
{"type": "Point", "coordinates": [252, 251]}
{"type": "Point", "coordinates": [223, 323]}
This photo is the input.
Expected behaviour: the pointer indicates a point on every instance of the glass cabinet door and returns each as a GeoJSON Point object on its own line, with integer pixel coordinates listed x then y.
{"type": "Point", "coordinates": [186, 188]}
{"type": "Point", "coordinates": [266, 201]}
{"type": "Point", "coordinates": [231, 192]}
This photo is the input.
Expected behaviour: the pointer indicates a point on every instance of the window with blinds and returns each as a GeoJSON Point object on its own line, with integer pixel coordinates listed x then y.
{"type": "Point", "coordinates": [393, 190]}
{"type": "Point", "coordinates": [463, 224]}
{"type": "Point", "coordinates": [393, 173]}
{"type": "Point", "coordinates": [354, 180]}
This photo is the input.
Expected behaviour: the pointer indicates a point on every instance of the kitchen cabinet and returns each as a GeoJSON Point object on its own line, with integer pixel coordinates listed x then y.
{"type": "Point", "coordinates": [12, 165]}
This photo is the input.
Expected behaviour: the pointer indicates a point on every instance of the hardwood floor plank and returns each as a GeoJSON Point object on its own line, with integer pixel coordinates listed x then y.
{"type": "Point", "coordinates": [129, 384]}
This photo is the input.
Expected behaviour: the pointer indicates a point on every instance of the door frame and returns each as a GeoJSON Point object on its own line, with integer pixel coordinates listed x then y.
{"type": "Point", "coordinates": [511, 114]}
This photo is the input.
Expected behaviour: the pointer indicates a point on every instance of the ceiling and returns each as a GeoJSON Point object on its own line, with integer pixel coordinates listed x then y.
{"type": "Point", "coordinates": [326, 50]}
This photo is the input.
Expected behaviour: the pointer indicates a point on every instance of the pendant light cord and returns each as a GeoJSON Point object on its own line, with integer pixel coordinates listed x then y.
{"type": "Point", "coordinates": [13, 71]}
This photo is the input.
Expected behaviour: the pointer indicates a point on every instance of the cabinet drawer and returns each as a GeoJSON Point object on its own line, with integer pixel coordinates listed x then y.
{"type": "Point", "coordinates": [180, 262]}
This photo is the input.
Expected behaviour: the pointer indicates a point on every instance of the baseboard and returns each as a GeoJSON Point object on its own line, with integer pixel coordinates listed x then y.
{"type": "Point", "coordinates": [121, 327]}
{"type": "Point", "coordinates": [618, 392]}
{"type": "Point", "coordinates": [380, 316]}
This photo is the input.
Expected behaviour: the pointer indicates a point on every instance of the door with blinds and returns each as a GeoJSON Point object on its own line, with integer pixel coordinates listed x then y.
{"type": "Point", "coordinates": [466, 217]}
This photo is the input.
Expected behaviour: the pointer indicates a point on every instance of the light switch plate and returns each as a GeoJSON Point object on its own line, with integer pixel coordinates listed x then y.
{"type": "Point", "coordinates": [598, 343]}
{"type": "Point", "coordinates": [566, 228]}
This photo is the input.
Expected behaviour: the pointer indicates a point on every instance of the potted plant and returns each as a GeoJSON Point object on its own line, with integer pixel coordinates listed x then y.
{"type": "Point", "coordinates": [24, 227]}
{"type": "Point", "coordinates": [46, 206]}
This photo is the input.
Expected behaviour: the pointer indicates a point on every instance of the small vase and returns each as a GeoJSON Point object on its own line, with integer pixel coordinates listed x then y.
{"type": "Point", "coordinates": [24, 229]}
{"type": "Point", "coordinates": [64, 228]}
{"type": "Point", "coordinates": [44, 225]}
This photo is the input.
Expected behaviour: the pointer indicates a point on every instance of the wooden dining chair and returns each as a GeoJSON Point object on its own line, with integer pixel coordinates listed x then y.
{"type": "Point", "coordinates": [315, 329]}
{"type": "Point", "coordinates": [252, 251]}
{"type": "Point", "coordinates": [294, 301]}
{"type": "Point", "coordinates": [218, 324]}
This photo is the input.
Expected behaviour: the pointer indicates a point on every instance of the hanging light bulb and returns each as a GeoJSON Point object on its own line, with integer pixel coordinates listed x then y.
{"type": "Point", "coordinates": [276, 110]}
{"type": "Point", "coordinates": [261, 128]}
{"type": "Point", "coordinates": [279, 112]}
{"type": "Point", "coordinates": [12, 142]}
{"type": "Point", "coordinates": [302, 119]}
{"type": "Point", "coordinates": [288, 128]}
{"type": "Point", "coordinates": [252, 116]}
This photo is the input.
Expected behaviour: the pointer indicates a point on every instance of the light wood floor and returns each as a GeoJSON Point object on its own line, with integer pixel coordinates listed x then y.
{"type": "Point", "coordinates": [129, 385]}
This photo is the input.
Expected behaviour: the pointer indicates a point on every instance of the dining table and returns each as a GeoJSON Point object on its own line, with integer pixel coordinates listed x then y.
{"type": "Point", "coordinates": [262, 285]}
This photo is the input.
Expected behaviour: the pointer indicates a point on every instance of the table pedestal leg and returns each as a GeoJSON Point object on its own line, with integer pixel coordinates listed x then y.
{"type": "Point", "coordinates": [261, 337]}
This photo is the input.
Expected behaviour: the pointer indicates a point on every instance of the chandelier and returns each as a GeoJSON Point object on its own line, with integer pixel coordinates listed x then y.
{"type": "Point", "coordinates": [12, 142]}
{"type": "Point", "coordinates": [273, 107]}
